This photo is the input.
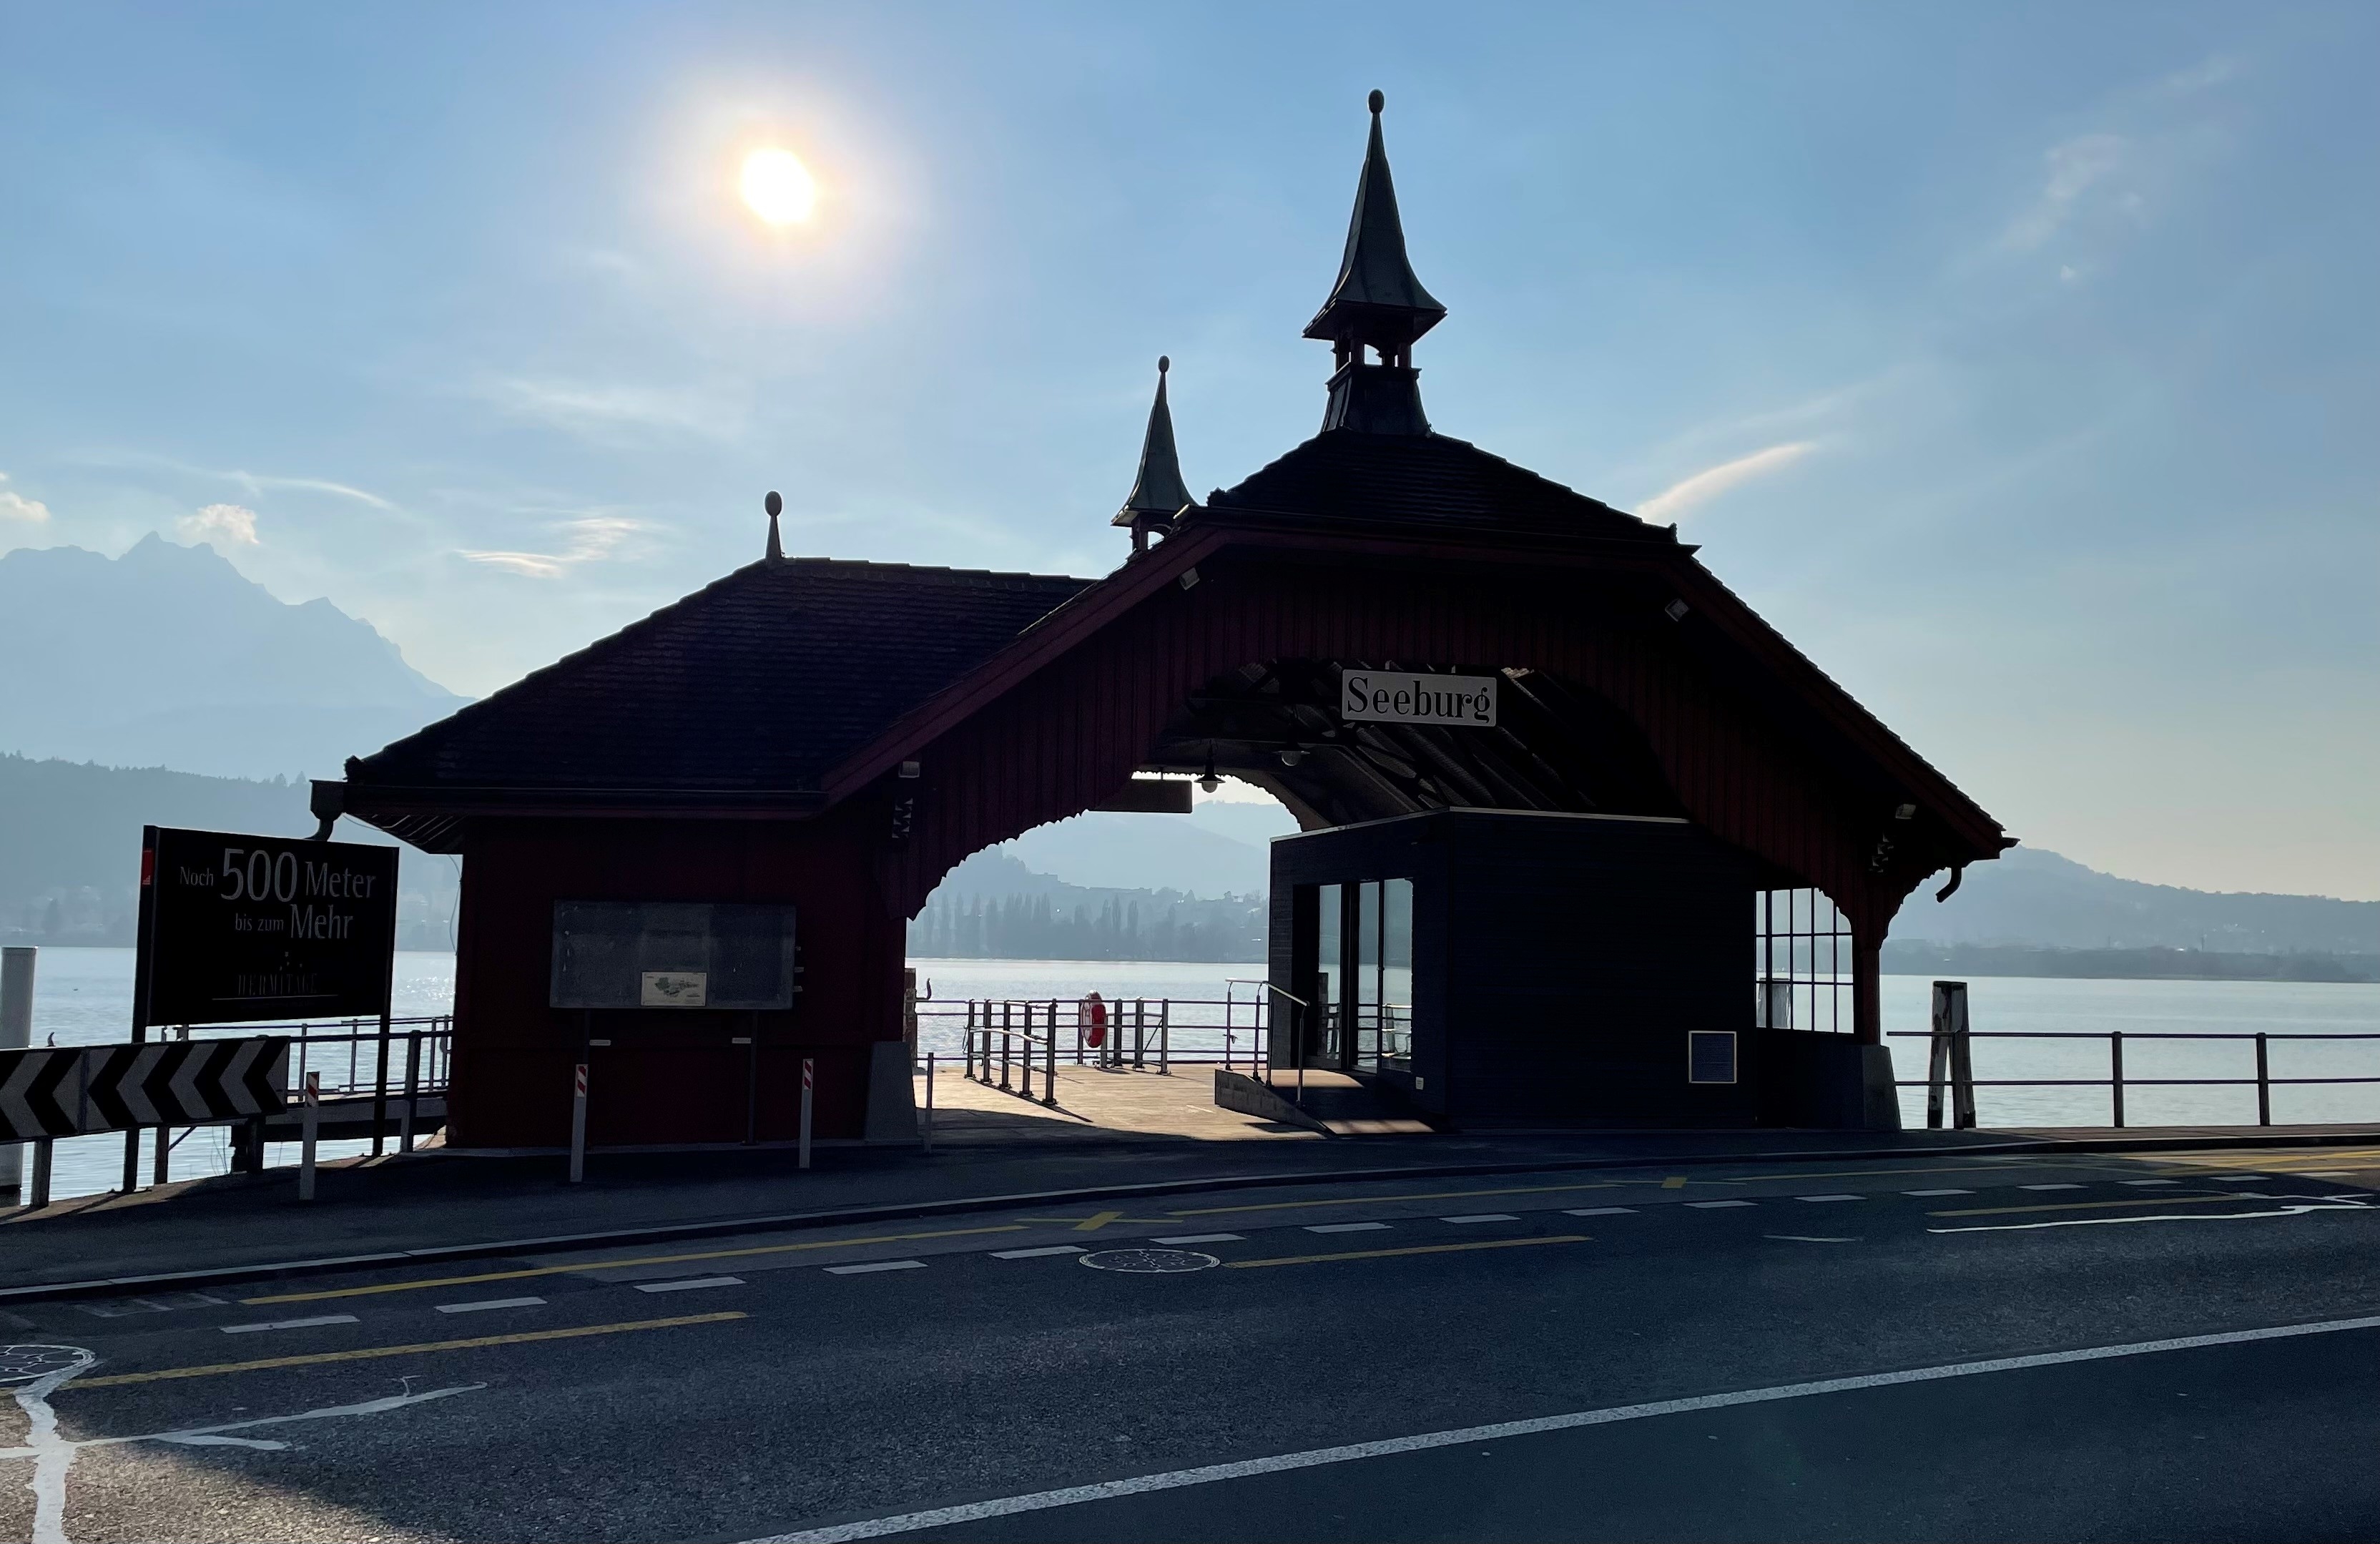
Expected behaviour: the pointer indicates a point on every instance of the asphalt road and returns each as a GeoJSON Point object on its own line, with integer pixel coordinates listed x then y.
{"type": "Point", "coordinates": [758, 1387]}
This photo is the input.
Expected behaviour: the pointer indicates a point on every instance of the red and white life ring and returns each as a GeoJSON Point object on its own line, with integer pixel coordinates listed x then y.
{"type": "Point", "coordinates": [1092, 1014]}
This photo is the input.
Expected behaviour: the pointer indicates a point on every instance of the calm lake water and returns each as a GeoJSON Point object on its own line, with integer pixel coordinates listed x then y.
{"type": "Point", "coordinates": [84, 996]}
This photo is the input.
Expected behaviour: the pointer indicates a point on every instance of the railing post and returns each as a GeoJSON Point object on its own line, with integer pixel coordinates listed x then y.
{"type": "Point", "coordinates": [380, 1090]}
{"type": "Point", "coordinates": [2116, 1073]}
{"type": "Point", "coordinates": [1165, 1036]}
{"type": "Point", "coordinates": [1050, 1062]}
{"type": "Point", "coordinates": [1004, 1018]}
{"type": "Point", "coordinates": [927, 1131]}
{"type": "Point", "coordinates": [412, 1087]}
{"type": "Point", "coordinates": [2263, 1083]}
{"type": "Point", "coordinates": [966, 1043]}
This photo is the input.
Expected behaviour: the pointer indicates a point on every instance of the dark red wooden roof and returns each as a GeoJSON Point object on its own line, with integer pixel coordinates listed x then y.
{"type": "Point", "coordinates": [761, 680]}
{"type": "Point", "coordinates": [1431, 480]}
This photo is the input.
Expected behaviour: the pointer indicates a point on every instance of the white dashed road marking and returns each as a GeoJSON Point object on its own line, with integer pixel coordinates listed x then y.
{"type": "Point", "coordinates": [2148, 1182]}
{"type": "Point", "coordinates": [873, 1266]}
{"type": "Point", "coordinates": [2049, 1187]}
{"type": "Point", "coordinates": [1203, 1238]}
{"type": "Point", "coordinates": [689, 1283]}
{"type": "Point", "coordinates": [1041, 1253]}
{"type": "Point", "coordinates": [1598, 1211]}
{"type": "Point", "coordinates": [1829, 1197]}
{"type": "Point", "coordinates": [1483, 1217]}
{"type": "Point", "coordinates": [487, 1303]}
{"type": "Point", "coordinates": [1343, 1227]}
{"type": "Point", "coordinates": [1706, 1206]}
{"type": "Point", "coordinates": [288, 1324]}
{"type": "Point", "coordinates": [1937, 1192]}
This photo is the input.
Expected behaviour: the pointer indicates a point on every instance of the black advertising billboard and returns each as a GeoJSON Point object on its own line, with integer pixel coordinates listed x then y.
{"type": "Point", "coordinates": [235, 928]}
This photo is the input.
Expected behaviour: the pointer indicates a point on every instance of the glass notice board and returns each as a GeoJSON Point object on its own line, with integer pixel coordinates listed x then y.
{"type": "Point", "coordinates": [672, 954]}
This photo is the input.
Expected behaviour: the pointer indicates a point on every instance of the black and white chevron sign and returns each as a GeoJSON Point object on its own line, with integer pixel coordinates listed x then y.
{"type": "Point", "coordinates": [72, 1091]}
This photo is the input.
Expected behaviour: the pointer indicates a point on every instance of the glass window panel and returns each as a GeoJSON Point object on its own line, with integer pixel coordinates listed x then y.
{"type": "Point", "coordinates": [1331, 936]}
{"type": "Point", "coordinates": [1396, 973]}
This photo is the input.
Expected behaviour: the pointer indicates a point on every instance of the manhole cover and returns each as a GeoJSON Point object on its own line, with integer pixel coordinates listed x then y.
{"type": "Point", "coordinates": [24, 1364]}
{"type": "Point", "coordinates": [1150, 1262]}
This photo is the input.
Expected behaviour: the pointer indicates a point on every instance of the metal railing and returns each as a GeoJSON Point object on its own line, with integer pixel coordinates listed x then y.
{"type": "Point", "coordinates": [1003, 1040]}
{"type": "Point", "coordinates": [2118, 1080]}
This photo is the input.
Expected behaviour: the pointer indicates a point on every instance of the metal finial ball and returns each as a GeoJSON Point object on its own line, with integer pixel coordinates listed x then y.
{"type": "Point", "coordinates": [773, 504]}
{"type": "Point", "coordinates": [1163, 364]}
{"type": "Point", "coordinates": [1379, 102]}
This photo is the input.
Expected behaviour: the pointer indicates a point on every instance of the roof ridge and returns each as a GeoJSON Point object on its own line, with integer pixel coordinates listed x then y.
{"type": "Point", "coordinates": [592, 650]}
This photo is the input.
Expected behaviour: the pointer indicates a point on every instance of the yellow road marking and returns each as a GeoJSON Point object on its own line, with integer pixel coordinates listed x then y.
{"type": "Point", "coordinates": [2088, 1205]}
{"type": "Point", "coordinates": [584, 1266]}
{"type": "Point", "coordinates": [367, 1353]}
{"type": "Point", "coordinates": [1097, 1221]}
{"type": "Point", "coordinates": [1416, 1249]}
{"type": "Point", "coordinates": [1675, 1182]}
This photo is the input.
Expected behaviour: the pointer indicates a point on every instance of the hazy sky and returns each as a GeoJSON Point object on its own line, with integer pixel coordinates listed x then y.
{"type": "Point", "coordinates": [2020, 363]}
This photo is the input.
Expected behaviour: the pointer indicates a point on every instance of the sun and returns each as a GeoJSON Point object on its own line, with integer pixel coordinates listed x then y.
{"type": "Point", "coordinates": [778, 187]}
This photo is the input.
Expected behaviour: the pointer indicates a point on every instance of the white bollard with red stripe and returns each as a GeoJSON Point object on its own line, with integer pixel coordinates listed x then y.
{"type": "Point", "coordinates": [809, 1072]}
{"type": "Point", "coordinates": [578, 1125]}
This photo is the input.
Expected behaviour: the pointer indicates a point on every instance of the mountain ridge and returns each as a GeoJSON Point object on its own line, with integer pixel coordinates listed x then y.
{"type": "Point", "coordinates": [220, 677]}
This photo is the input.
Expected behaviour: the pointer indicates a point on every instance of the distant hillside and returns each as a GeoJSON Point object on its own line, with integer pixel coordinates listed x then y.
{"type": "Point", "coordinates": [168, 657]}
{"type": "Point", "coordinates": [70, 847]}
{"type": "Point", "coordinates": [993, 907]}
{"type": "Point", "coordinates": [1219, 849]}
{"type": "Point", "coordinates": [2030, 896]}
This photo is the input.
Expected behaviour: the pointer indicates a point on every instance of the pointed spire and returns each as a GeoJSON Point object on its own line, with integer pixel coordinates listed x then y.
{"type": "Point", "coordinates": [776, 506]}
{"type": "Point", "coordinates": [1378, 302]}
{"type": "Point", "coordinates": [1158, 494]}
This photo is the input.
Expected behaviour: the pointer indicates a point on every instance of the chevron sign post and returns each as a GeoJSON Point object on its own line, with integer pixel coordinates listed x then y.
{"type": "Point", "coordinates": [76, 1091]}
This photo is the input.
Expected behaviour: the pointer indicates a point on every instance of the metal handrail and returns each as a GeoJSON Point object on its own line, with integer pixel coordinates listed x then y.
{"type": "Point", "coordinates": [2117, 1081]}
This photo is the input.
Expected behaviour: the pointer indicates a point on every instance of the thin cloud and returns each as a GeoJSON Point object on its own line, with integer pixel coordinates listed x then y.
{"type": "Point", "coordinates": [2075, 169]}
{"type": "Point", "coordinates": [536, 566]}
{"type": "Point", "coordinates": [601, 411]}
{"type": "Point", "coordinates": [587, 539]}
{"type": "Point", "coordinates": [1710, 483]}
{"type": "Point", "coordinates": [18, 509]}
{"type": "Point", "coordinates": [224, 522]}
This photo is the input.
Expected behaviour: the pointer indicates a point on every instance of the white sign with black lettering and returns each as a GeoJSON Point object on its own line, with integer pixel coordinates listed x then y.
{"type": "Point", "coordinates": [1393, 696]}
{"type": "Point", "coordinates": [674, 989]}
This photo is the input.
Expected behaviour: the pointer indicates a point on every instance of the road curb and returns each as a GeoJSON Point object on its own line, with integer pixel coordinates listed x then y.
{"type": "Point", "coordinates": [839, 1216]}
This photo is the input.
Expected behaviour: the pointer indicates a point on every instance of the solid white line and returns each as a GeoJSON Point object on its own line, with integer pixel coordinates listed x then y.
{"type": "Point", "coordinates": [1937, 1192]}
{"type": "Point", "coordinates": [2049, 1187]}
{"type": "Point", "coordinates": [1344, 1227]}
{"type": "Point", "coordinates": [1830, 1197]}
{"type": "Point", "coordinates": [1075, 1495]}
{"type": "Point", "coordinates": [1706, 1206]}
{"type": "Point", "coordinates": [875, 1266]}
{"type": "Point", "coordinates": [1204, 1239]}
{"type": "Point", "coordinates": [689, 1283]}
{"type": "Point", "coordinates": [287, 1324]}
{"type": "Point", "coordinates": [1041, 1253]}
{"type": "Point", "coordinates": [1483, 1217]}
{"type": "Point", "coordinates": [2148, 1182]}
{"type": "Point", "coordinates": [486, 1303]}
{"type": "Point", "coordinates": [1597, 1211]}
